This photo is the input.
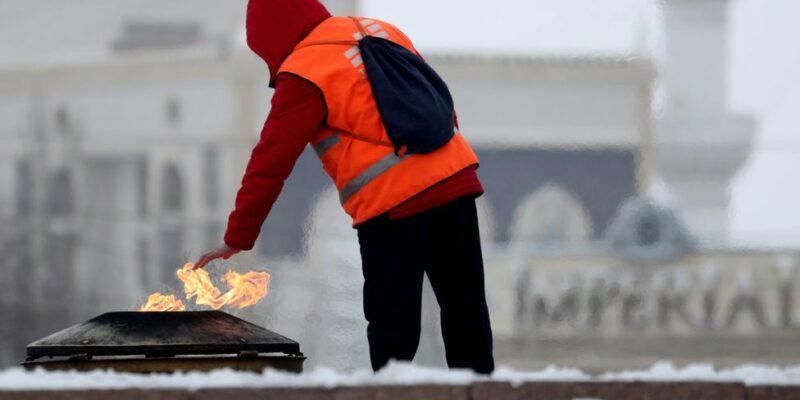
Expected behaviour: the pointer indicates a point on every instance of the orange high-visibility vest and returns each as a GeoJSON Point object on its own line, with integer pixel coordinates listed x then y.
{"type": "Point", "coordinates": [352, 143]}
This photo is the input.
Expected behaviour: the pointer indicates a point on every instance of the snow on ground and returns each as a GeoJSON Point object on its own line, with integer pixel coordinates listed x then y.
{"type": "Point", "coordinates": [750, 374]}
{"type": "Point", "coordinates": [394, 374]}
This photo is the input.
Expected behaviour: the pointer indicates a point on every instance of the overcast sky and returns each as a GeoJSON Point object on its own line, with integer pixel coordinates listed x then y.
{"type": "Point", "coordinates": [763, 74]}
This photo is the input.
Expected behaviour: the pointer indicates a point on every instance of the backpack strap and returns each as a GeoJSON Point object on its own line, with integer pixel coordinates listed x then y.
{"type": "Point", "coordinates": [353, 42]}
{"type": "Point", "coordinates": [327, 42]}
{"type": "Point", "coordinates": [360, 27]}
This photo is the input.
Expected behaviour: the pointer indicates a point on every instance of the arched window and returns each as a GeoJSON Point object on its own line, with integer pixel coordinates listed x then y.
{"type": "Point", "coordinates": [60, 201]}
{"type": "Point", "coordinates": [24, 188]}
{"type": "Point", "coordinates": [171, 220]}
{"type": "Point", "coordinates": [551, 217]}
{"type": "Point", "coordinates": [171, 189]}
{"type": "Point", "coordinates": [61, 243]}
{"type": "Point", "coordinates": [142, 188]}
{"type": "Point", "coordinates": [143, 262]}
{"type": "Point", "coordinates": [211, 177]}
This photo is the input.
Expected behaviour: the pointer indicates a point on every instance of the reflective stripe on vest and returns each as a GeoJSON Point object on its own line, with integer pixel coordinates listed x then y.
{"type": "Point", "coordinates": [324, 145]}
{"type": "Point", "coordinates": [369, 175]}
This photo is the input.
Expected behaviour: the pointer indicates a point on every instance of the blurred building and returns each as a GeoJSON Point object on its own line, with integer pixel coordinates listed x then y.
{"type": "Point", "coordinates": [125, 137]}
{"type": "Point", "coordinates": [121, 129]}
{"type": "Point", "coordinates": [701, 144]}
{"type": "Point", "coordinates": [663, 281]}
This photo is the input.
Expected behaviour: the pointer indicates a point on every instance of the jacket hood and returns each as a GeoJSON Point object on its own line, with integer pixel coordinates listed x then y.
{"type": "Point", "coordinates": [275, 27]}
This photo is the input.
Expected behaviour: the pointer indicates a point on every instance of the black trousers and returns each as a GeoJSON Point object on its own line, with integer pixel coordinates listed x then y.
{"type": "Point", "coordinates": [445, 244]}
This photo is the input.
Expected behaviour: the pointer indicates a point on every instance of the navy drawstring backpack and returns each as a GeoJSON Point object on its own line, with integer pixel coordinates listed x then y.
{"type": "Point", "coordinates": [414, 102]}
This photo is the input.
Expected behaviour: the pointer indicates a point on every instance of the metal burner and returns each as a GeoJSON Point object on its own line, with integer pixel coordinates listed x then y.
{"type": "Point", "coordinates": [165, 342]}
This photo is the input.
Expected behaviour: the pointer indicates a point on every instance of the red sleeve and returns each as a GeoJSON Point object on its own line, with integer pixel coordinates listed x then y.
{"type": "Point", "coordinates": [298, 110]}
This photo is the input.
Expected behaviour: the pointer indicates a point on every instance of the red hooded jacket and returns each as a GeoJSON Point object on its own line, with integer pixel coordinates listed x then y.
{"type": "Point", "coordinates": [274, 27]}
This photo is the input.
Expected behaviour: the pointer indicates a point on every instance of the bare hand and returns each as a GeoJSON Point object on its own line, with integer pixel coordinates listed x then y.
{"type": "Point", "coordinates": [222, 251]}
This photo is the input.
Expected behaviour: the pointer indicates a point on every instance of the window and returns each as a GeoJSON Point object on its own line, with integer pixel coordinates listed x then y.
{"type": "Point", "coordinates": [171, 190]}
{"type": "Point", "coordinates": [143, 262]}
{"type": "Point", "coordinates": [24, 188]}
{"type": "Point", "coordinates": [60, 202]}
{"type": "Point", "coordinates": [62, 120]}
{"type": "Point", "coordinates": [172, 111]}
{"type": "Point", "coordinates": [141, 188]}
{"type": "Point", "coordinates": [211, 181]}
{"type": "Point", "coordinates": [172, 253]}
{"type": "Point", "coordinates": [550, 217]}
{"type": "Point", "coordinates": [171, 232]}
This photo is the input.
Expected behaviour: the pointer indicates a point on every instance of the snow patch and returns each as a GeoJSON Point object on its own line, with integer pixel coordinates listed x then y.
{"type": "Point", "coordinates": [549, 374]}
{"type": "Point", "coordinates": [393, 374]}
{"type": "Point", "coordinates": [749, 374]}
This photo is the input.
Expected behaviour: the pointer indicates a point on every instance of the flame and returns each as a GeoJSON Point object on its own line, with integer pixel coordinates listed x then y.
{"type": "Point", "coordinates": [198, 284]}
{"type": "Point", "coordinates": [158, 302]}
{"type": "Point", "coordinates": [244, 290]}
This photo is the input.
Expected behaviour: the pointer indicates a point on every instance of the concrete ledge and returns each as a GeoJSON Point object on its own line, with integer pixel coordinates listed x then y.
{"type": "Point", "coordinates": [609, 390]}
{"type": "Point", "coordinates": [121, 394]}
{"type": "Point", "coordinates": [259, 394]}
{"type": "Point", "coordinates": [341, 393]}
{"type": "Point", "coordinates": [476, 391]}
{"type": "Point", "coordinates": [773, 393]}
{"type": "Point", "coordinates": [404, 393]}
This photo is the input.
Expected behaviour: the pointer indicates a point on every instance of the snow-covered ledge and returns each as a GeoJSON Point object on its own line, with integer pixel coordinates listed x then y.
{"type": "Point", "coordinates": [405, 381]}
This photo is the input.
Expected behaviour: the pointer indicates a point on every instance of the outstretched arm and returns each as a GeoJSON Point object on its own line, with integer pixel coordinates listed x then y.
{"type": "Point", "coordinates": [298, 110]}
